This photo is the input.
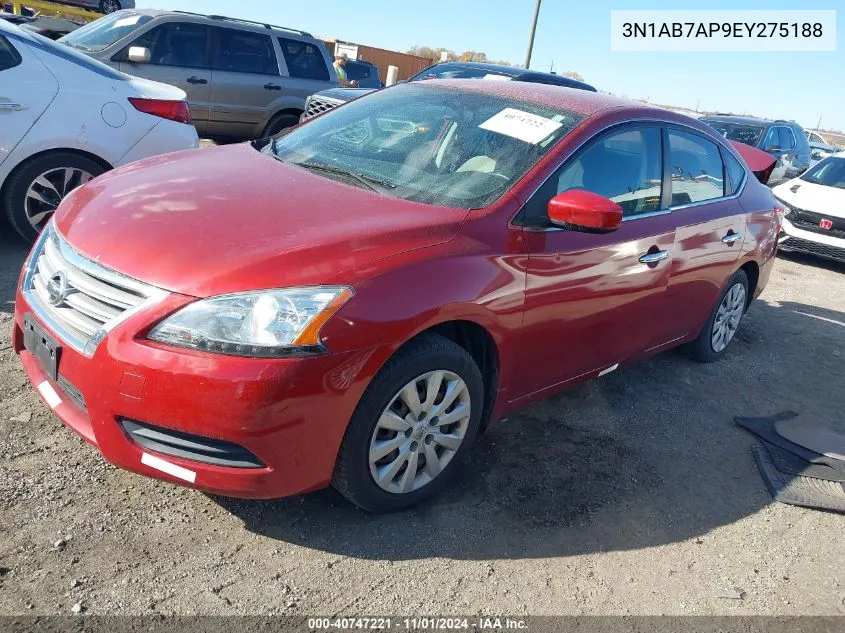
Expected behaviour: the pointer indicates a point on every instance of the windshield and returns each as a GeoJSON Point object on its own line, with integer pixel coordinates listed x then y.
{"type": "Point", "coordinates": [432, 144]}
{"type": "Point", "coordinates": [739, 132]}
{"type": "Point", "coordinates": [104, 32]}
{"type": "Point", "coordinates": [830, 172]}
{"type": "Point", "coordinates": [68, 54]}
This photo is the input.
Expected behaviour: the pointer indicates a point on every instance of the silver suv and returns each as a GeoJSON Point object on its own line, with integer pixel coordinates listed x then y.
{"type": "Point", "coordinates": [244, 79]}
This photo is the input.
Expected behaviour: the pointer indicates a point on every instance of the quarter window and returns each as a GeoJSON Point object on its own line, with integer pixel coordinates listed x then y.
{"type": "Point", "coordinates": [174, 44]}
{"type": "Point", "coordinates": [625, 167]}
{"type": "Point", "coordinates": [736, 172]}
{"type": "Point", "coordinates": [245, 52]}
{"type": "Point", "coordinates": [696, 168]}
{"type": "Point", "coordinates": [304, 60]}
{"type": "Point", "coordinates": [9, 57]}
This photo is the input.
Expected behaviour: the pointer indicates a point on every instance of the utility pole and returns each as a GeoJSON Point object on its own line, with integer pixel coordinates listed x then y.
{"type": "Point", "coordinates": [819, 125]}
{"type": "Point", "coordinates": [531, 36]}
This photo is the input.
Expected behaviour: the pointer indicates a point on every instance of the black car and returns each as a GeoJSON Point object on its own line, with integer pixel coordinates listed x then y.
{"type": "Point", "coordinates": [328, 99]}
{"type": "Point", "coordinates": [785, 140]}
{"type": "Point", "coordinates": [363, 72]}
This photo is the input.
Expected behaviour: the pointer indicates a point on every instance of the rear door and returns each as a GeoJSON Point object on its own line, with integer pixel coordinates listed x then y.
{"type": "Point", "coordinates": [710, 226]}
{"type": "Point", "coordinates": [179, 54]}
{"type": "Point", "coordinates": [595, 300]}
{"type": "Point", "coordinates": [26, 90]}
{"type": "Point", "coordinates": [245, 82]}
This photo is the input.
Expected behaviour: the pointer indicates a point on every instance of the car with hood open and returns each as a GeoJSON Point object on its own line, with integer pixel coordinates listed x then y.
{"type": "Point", "coordinates": [353, 301]}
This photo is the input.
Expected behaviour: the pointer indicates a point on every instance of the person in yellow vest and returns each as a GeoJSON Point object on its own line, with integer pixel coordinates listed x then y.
{"type": "Point", "coordinates": [339, 68]}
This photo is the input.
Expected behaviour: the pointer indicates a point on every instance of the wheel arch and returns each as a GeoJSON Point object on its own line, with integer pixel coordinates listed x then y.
{"type": "Point", "coordinates": [23, 162]}
{"type": "Point", "coordinates": [752, 270]}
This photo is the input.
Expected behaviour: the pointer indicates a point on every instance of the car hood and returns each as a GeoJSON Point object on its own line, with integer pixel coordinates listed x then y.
{"type": "Point", "coordinates": [809, 196]}
{"type": "Point", "coordinates": [345, 94]}
{"type": "Point", "coordinates": [228, 219]}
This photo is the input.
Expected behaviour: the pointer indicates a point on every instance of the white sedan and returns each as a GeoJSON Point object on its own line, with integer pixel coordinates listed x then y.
{"type": "Point", "coordinates": [815, 218]}
{"type": "Point", "coordinates": [66, 118]}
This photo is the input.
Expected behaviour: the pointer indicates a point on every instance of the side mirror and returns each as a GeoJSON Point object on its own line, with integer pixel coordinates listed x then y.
{"type": "Point", "coordinates": [773, 148]}
{"type": "Point", "coordinates": [585, 211]}
{"type": "Point", "coordinates": [139, 54]}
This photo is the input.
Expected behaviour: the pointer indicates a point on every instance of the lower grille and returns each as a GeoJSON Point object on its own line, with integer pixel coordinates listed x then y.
{"type": "Point", "coordinates": [188, 446]}
{"type": "Point", "coordinates": [317, 105]}
{"type": "Point", "coordinates": [814, 248]}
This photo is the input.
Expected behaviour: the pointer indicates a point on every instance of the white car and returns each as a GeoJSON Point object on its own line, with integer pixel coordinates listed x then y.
{"type": "Point", "coordinates": [815, 218]}
{"type": "Point", "coordinates": [66, 118]}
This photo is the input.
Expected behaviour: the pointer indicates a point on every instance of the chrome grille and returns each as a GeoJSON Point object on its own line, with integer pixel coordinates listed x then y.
{"type": "Point", "coordinates": [317, 105]}
{"type": "Point", "coordinates": [77, 298]}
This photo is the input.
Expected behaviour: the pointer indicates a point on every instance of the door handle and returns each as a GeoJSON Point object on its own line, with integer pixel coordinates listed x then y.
{"type": "Point", "coordinates": [731, 237]}
{"type": "Point", "coordinates": [269, 86]}
{"type": "Point", "coordinates": [196, 80]}
{"type": "Point", "coordinates": [14, 107]}
{"type": "Point", "coordinates": [655, 257]}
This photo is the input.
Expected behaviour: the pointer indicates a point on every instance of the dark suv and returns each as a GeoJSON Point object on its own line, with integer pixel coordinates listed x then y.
{"type": "Point", "coordinates": [331, 98]}
{"type": "Point", "coordinates": [364, 73]}
{"type": "Point", "coordinates": [785, 140]}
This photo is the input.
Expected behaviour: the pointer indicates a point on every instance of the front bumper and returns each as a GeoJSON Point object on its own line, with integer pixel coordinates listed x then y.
{"type": "Point", "coordinates": [290, 413]}
{"type": "Point", "coordinates": [814, 243]}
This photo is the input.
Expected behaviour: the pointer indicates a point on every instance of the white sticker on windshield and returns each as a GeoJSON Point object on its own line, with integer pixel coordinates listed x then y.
{"type": "Point", "coordinates": [132, 19]}
{"type": "Point", "coordinates": [494, 77]}
{"type": "Point", "coordinates": [524, 126]}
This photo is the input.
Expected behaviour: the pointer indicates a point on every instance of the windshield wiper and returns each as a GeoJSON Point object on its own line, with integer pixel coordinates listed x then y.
{"type": "Point", "coordinates": [368, 181]}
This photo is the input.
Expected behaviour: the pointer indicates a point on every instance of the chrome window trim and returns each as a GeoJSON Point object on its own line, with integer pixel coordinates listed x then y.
{"type": "Point", "coordinates": [668, 210]}
{"type": "Point", "coordinates": [152, 294]}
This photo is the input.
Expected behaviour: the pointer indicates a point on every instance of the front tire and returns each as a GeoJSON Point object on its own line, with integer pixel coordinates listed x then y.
{"type": "Point", "coordinates": [109, 6]}
{"type": "Point", "coordinates": [279, 123]}
{"type": "Point", "coordinates": [35, 189]}
{"type": "Point", "coordinates": [723, 323]}
{"type": "Point", "coordinates": [415, 422]}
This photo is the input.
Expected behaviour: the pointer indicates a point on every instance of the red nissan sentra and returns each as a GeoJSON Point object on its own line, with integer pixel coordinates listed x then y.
{"type": "Point", "coordinates": [352, 302]}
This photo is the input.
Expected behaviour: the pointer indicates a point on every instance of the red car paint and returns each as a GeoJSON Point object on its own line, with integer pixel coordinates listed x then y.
{"type": "Point", "coordinates": [560, 306]}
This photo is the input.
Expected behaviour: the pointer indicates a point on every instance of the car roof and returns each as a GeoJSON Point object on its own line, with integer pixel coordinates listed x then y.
{"type": "Point", "coordinates": [725, 118]}
{"type": "Point", "coordinates": [573, 99]}
{"type": "Point", "coordinates": [222, 20]}
{"type": "Point", "coordinates": [513, 71]}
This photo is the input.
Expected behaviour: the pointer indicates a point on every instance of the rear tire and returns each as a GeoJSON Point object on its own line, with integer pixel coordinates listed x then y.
{"type": "Point", "coordinates": [109, 6]}
{"type": "Point", "coordinates": [372, 483]}
{"type": "Point", "coordinates": [723, 323]}
{"type": "Point", "coordinates": [279, 123]}
{"type": "Point", "coordinates": [36, 187]}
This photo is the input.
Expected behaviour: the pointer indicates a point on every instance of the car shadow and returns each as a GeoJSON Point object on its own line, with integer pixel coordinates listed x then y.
{"type": "Point", "coordinates": [646, 456]}
{"type": "Point", "coordinates": [13, 252]}
{"type": "Point", "coordinates": [812, 260]}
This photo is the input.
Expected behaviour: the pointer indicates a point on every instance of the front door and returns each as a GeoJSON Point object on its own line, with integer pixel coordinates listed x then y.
{"type": "Point", "coordinates": [595, 300]}
{"type": "Point", "coordinates": [179, 57]}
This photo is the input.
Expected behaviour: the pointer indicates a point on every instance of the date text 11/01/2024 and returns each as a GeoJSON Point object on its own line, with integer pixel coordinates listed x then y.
{"type": "Point", "coordinates": [722, 29]}
{"type": "Point", "coordinates": [417, 624]}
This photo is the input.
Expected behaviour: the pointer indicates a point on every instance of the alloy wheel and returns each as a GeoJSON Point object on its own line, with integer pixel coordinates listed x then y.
{"type": "Point", "coordinates": [728, 317]}
{"type": "Point", "coordinates": [419, 432]}
{"type": "Point", "coordinates": [110, 6]}
{"type": "Point", "coordinates": [48, 190]}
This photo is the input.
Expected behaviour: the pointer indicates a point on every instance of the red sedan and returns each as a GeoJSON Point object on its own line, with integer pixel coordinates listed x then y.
{"type": "Point", "coordinates": [354, 301]}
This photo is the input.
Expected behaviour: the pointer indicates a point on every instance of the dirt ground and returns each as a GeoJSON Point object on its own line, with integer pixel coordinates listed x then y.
{"type": "Point", "coordinates": [635, 494]}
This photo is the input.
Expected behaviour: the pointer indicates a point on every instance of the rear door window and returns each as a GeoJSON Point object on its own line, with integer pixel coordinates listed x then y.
{"type": "Point", "coordinates": [245, 52]}
{"type": "Point", "coordinates": [787, 140]}
{"type": "Point", "coordinates": [771, 139]}
{"type": "Point", "coordinates": [698, 173]}
{"type": "Point", "coordinates": [174, 44]}
{"type": "Point", "coordinates": [9, 57]}
{"type": "Point", "coordinates": [304, 60]}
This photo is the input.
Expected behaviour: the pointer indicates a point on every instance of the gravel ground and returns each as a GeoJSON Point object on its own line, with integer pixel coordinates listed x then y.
{"type": "Point", "coordinates": [634, 494]}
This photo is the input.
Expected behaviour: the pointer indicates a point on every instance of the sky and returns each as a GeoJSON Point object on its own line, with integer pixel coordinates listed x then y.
{"type": "Point", "coordinates": [575, 35]}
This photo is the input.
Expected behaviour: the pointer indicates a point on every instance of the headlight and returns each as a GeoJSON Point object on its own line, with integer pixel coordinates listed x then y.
{"type": "Point", "coordinates": [787, 209]}
{"type": "Point", "coordinates": [261, 324]}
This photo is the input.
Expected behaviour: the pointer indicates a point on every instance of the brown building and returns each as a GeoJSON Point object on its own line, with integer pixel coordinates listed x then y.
{"type": "Point", "coordinates": [408, 65]}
